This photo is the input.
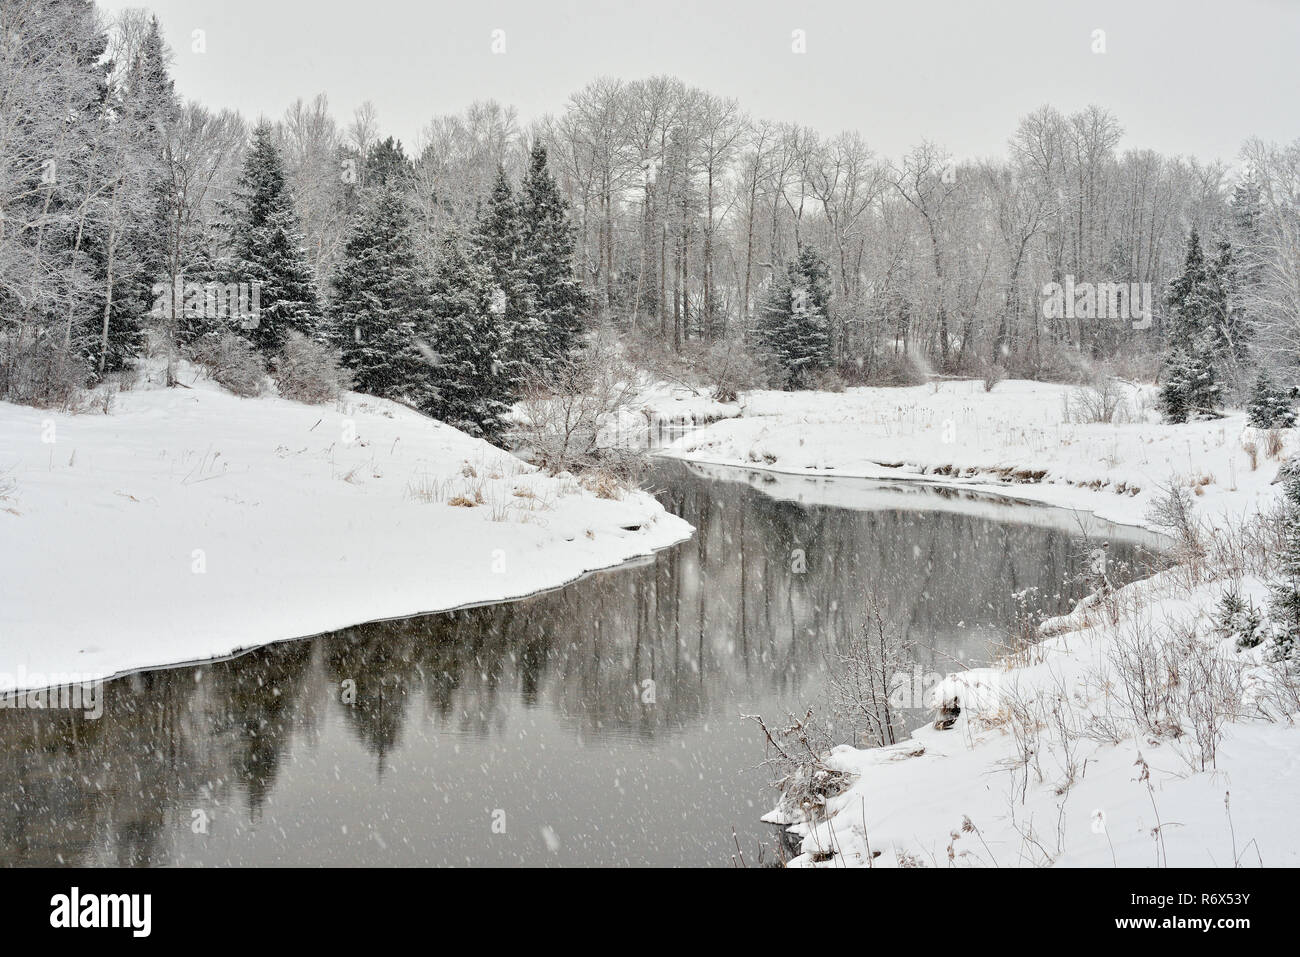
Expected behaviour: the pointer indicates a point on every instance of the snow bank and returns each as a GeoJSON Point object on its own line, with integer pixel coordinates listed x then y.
{"type": "Point", "coordinates": [1015, 438]}
{"type": "Point", "coordinates": [190, 523]}
{"type": "Point", "coordinates": [1044, 766]}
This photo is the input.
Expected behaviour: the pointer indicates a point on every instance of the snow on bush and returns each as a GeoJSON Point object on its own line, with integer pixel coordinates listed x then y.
{"type": "Point", "coordinates": [233, 363]}
{"type": "Point", "coordinates": [308, 371]}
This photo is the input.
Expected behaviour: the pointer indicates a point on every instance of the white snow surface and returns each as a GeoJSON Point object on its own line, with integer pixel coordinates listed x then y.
{"type": "Point", "coordinates": [956, 433]}
{"type": "Point", "coordinates": [189, 524]}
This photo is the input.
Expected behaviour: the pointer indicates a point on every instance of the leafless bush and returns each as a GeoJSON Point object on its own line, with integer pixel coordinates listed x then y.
{"type": "Point", "coordinates": [1277, 695]}
{"type": "Point", "coordinates": [797, 754]}
{"type": "Point", "coordinates": [1212, 693]}
{"type": "Point", "coordinates": [233, 363]}
{"type": "Point", "coordinates": [828, 380]}
{"type": "Point", "coordinates": [866, 675]}
{"type": "Point", "coordinates": [1174, 512]}
{"type": "Point", "coordinates": [1147, 672]}
{"type": "Point", "coordinates": [308, 371]}
{"type": "Point", "coordinates": [1102, 400]}
{"type": "Point", "coordinates": [569, 414]}
{"type": "Point", "coordinates": [1273, 443]}
{"type": "Point", "coordinates": [41, 372]}
{"type": "Point", "coordinates": [993, 374]}
{"type": "Point", "coordinates": [730, 368]}
{"type": "Point", "coordinates": [896, 369]}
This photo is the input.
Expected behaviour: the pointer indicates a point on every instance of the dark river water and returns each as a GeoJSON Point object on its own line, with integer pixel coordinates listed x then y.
{"type": "Point", "coordinates": [594, 725]}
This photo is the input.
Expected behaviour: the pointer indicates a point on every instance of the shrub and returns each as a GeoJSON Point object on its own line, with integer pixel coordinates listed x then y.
{"type": "Point", "coordinates": [308, 371]}
{"type": "Point", "coordinates": [41, 372]}
{"type": "Point", "coordinates": [233, 363]}
{"type": "Point", "coordinates": [896, 369]}
{"type": "Point", "coordinates": [993, 374]}
{"type": "Point", "coordinates": [1238, 619]}
{"type": "Point", "coordinates": [1102, 400]}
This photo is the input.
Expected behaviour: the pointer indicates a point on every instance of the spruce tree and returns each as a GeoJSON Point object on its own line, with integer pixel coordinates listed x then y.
{"type": "Point", "coordinates": [794, 325]}
{"type": "Point", "coordinates": [1188, 297]}
{"type": "Point", "coordinates": [1196, 302]}
{"type": "Point", "coordinates": [380, 306]}
{"type": "Point", "coordinates": [559, 302]}
{"type": "Point", "coordinates": [470, 386]}
{"type": "Point", "coordinates": [387, 164]}
{"type": "Point", "coordinates": [499, 235]}
{"type": "Point", "coordinates": [1190, 389]}
{"type": "Point", "coordinates": [1269, 406]}
{"type": "Point", "coordinates": [1230, 330]}
{"type": "Point", "coordinates": [267, 247]}
{"type": "Point", "coordinates": [1284, 604]}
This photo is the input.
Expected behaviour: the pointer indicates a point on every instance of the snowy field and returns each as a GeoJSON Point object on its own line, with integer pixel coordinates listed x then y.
{"type": "Point", "coordinates": [190, 523]}
{"type": "Point", "coordinates": [1049, 760]}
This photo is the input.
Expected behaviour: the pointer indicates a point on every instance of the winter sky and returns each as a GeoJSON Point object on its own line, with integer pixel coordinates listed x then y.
{"type": "Point", "coordinates": [1189, 77]}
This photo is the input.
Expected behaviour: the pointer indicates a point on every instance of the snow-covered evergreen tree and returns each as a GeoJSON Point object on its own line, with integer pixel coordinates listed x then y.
{"type": "Point", "coordinates": [266, 247]}
{"type": "Point", "coordinates": [1190, 389]}
{"type": "Point", "coordinates": [1284, 604]}
{"type": "Point", "coordinates": [1196, 301]}
{"type": "Point", "coordinates": [499, 235]}
{"type": "Point", "coordinates": [129, 245]}
{"type": "Point", "coordinates": [471, 389]}
{"type": "Point", "coordinates": [794, 324]}
{"type": "Point", "coordinates": [1230, 330]}
{"type": "Point", "coordinates": [379, 310]}
{"type": "Point", "coordinates": [1269, 407]}
{"type": "Point", "coordinates": [387, 164]}
{"type": "Point", "coordinates": [559, 303]}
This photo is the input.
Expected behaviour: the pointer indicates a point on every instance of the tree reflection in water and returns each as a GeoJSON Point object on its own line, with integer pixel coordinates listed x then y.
{"type": "Point", "coordinates": [606, 711]}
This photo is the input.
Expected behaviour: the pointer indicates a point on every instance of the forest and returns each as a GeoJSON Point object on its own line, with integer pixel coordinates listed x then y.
{"type": "Point", "coordinates": [456, 272]}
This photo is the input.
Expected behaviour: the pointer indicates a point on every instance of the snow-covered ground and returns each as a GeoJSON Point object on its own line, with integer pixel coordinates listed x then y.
{"type": "Point", "coordinates": [190, 523]}
{"type": "Point", "coordinates": [1046, 763]}
{"type": "Point", "coordinates": [1049, 760]}
{"type": "Point", "coordinates": [1016, 437]}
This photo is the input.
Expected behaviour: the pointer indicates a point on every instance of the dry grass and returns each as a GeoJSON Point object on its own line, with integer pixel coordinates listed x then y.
{"type": "Point", "coordinates": [1273, 443]}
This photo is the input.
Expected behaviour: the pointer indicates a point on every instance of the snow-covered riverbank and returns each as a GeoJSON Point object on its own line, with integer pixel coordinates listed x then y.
{"type": "Point", "coordinates": [1133, 733]}
{"type": "Point", "coordinates": [190, 523]}
{"type": "Point", "coordinates": [1142, 740]}
{"type": "Point", "coordinates": [1016, 437]}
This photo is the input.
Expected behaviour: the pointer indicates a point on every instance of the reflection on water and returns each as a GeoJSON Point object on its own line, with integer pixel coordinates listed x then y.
{"type": "Point", "coordinates": [597, 724]}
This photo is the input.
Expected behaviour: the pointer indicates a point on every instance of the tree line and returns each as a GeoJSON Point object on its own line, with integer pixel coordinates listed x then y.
{"type": "Point", "coordinates": [675, 218]}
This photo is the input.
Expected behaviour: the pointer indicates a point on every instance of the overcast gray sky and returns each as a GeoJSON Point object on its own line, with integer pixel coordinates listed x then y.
{"type": "Point", "coordinates": [1189, 77]}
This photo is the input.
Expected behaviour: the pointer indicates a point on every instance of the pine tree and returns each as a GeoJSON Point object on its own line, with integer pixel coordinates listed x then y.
{"type": "Point", "coordinates": [267, 247]}
{"type": "Point", "coordinates": [1190, 389]}
{"type": "Point", "coordinates": [499, 234]}
{"type": "Point", "coordinates": [1188, 297]}
{"type": "Point", "coordinates": [387, 164]}
{"type": "Point", "coordinates": [1196, 301]}
{"type": "Point", "coordinates": [1269, 406]}
{"type": "Point", "coordinates": [559, 302]}
{"type": "Point", "coordinates": [794, 326]}
{"type": "Point", "coordinates": [470, 385]}
{"type": "Point", "coordinates": [380, 306]}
